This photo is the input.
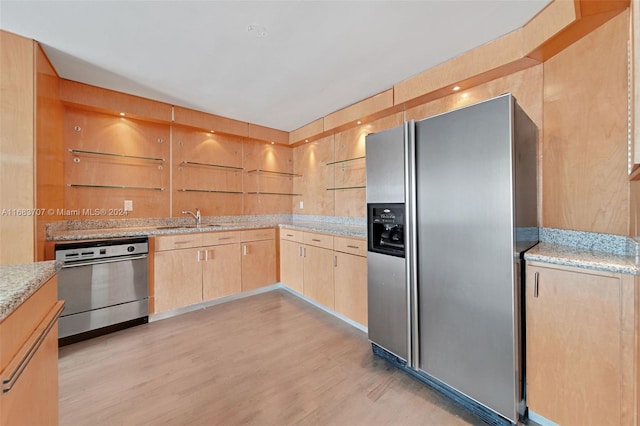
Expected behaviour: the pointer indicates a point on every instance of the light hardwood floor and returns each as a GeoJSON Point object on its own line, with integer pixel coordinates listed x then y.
{"type": "Point", "coordinates": [269, 359]}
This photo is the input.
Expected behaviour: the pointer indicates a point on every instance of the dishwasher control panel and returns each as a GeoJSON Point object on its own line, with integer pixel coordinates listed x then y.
{"type": "Point", "coordinates": [101, 249]}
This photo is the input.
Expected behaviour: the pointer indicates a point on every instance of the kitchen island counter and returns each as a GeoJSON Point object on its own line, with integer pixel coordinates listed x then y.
{"type": "Point", "coordinates": [18, 282]}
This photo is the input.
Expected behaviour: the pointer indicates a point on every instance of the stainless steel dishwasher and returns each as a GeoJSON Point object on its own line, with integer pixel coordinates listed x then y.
{"type": "Point", "coordinates": [104, 284]}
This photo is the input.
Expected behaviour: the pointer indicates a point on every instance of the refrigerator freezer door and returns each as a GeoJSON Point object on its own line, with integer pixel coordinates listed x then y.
{"type": "Point", "coordinates": [387, 303]}
{"type": "Point", "coordinates": [385, 166]}
{"type": "Point", "coordinates": [465, 233]}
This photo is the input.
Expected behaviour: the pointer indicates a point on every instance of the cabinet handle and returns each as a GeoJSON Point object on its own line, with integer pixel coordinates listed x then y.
{"type": "Point", "coordinates": [535, 284]}
{"type": "Point", "coordinates": [183, 242]}
{"type": "Point", "coordinates": [289, 235]}
{"type": "Point", "coordinates": [335, 261]}
{"type": "Point", "coordinates": [316, 240]}
{"type": "Point", "coordinates": [304, 252]}
{"type": "Point", "coordinates": [244, 250]}
{"type": "Point", "coordinates": [198, 256]}
{"type": "Point", "coordinates": [206, 255]}
{"type": "Point", "coordinates": [225, 238]}
{"type": "Point", "coordinates": [300, 251]}
{"type": "Point", "coordinates": [353, 247]}
{"type": "Point", "coordinates": [10, 381]}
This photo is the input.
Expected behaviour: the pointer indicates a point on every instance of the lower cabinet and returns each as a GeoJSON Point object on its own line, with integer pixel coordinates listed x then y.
{"type": "Point", "coordinates": [318, 275]}
{"type": "Point", "coordinates": [198, 267]}
{"type": "Point", "coordinates": [258, 258]}
{"type": "Point", "coordinates": [221, 271]}
{"type": "Point", "coordinates": [291, 265]}
{"type": "Point", "coordinates": [350, 276]}
{"type": "Point", "coordinates": [177, 279]}
{"type": "Point", "coordinates": [329, 270]}
{"type": "Point", "coordinates": [29, 360]}
{"type": "Point", "coordinates": [258, 264]}
{"type": "Point", "coordinates": [580, 328]}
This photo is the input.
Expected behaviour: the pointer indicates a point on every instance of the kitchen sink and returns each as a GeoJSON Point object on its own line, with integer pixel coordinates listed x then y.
{"type": "Point", "coordinates": [187, 226]}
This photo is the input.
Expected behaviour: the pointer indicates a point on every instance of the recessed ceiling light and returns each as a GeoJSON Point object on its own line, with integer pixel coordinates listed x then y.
{"type": "Point", "coordinates": [273, 143]}
{"type": "Point", "coordinates": [257, 31]}
{"type": "Point", "coordinates": [212, 131]}
{"type": "Point", "coordinates": [456, 88]}
{"type": "Point", "coordinates": [306, 140]}
{"type": "Point", "coordinates": [122, 114]}
{"type": "Point", "coordinates": [359, 122]}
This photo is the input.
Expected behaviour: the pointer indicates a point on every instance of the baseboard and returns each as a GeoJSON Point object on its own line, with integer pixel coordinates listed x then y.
{"type": "Point", "coordinates": [209, 303]}
{"type": "Point", "coordinates": [327, 310]}
{"type": "Point", "coordinates": [272, 287]}
{"type": "Point", "coordinates": [542, 421]}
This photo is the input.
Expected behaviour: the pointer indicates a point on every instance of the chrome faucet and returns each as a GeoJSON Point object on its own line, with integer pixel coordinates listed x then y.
{"type": "Point", "coordinates": [195, 215]}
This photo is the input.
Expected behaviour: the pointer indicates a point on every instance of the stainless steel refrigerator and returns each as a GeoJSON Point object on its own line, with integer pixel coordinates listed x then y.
{"type": "Point", "coordinates": [448, 308]}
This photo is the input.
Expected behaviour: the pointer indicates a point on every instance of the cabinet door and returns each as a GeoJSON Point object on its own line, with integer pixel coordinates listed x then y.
{"type": "Point", "coordinates": [291, 265]}
{"type": "Point", "coordinates": [350, 277]}
{"type": "Point", "coordinates": [221, 271]}
{"type": "Point", "coordinates": [573, 349]}
{"type": "Point", "coordinates": [33, 399]}
{"type": "Point", "coordinates": [258, 264]}
{"type": "Point", "coordinates": [177, 279]}
{"type": "Point", "coordinates": [318, 275]}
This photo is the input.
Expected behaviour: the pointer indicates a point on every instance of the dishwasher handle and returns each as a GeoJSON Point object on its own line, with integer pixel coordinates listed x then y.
{"type": "Point", "coordinates": [99, 262]}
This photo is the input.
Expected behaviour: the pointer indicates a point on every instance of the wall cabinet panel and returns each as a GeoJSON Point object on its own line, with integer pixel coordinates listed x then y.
{"type": "Point", "coordinates": [16, 147]}
{"type": "Point", "coordinates": [207, 172]}
{"type": "Point", "coordinates": [584, 176]}
{"type": "Point", "coordinates": [109, 159]}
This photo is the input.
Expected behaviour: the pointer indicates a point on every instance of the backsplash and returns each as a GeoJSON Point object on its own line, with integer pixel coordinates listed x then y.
{"type": "Point", "coordinates": [606, 243]}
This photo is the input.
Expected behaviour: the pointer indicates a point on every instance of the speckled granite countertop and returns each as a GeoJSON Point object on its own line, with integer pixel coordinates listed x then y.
{"type": "Point", "coordinates": [571, 256]}
{"type": "Point", "coordinates": [601, 252]}
{"type": "Point", "coordinates": [18, 282]}
{"type": "Point", "coordinates": [348, 229]}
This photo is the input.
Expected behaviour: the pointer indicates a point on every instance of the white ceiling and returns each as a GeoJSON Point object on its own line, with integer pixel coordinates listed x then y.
{"type": "Point", "coordinates": [316, 56]}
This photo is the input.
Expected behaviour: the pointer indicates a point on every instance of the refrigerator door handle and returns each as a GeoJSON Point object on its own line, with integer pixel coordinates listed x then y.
{"type": "Point", "coordinates": [410, 244]}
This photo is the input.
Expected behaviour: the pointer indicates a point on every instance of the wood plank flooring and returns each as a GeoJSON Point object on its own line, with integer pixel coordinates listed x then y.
{"type": "Point", "coordinates": [269, 359]}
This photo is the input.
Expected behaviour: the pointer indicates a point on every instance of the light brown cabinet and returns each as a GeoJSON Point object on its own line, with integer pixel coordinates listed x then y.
{"type": "Point", "coordinates": [291, 265]}
{"type": "Point", "coordinates": [177, 279]}
{"type": "Point", "coordinates": [258, 258]}
{"type": "Point", "coordinates": [258, 264]}
{"type": "Point", "coordinates": [329, 270]}
{"type": "Point", "coordinates": [318, 275]}
{"type": "Point", "coordinates": [306, 264]}
{"type": "Point", "coordinates": [192, 268]}
{"type": "Point", "coordinates": [350, 278]}
{"type": "Point", "coordinates": [29, 360]}
{"type": "Point", "coordinates": [221, 271]}
{"type": "Point", "coordinates": [198, 267]}
{"type": "Point", "coordinates": [580, 345]}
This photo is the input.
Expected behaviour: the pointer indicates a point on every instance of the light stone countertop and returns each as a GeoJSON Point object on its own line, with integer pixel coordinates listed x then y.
{"type": "Point", "coordinates": [18, 282]}
{"type": "Point", "coordinates": [340, 229]}
{"type": "Point", "coordinates": [565, 255]}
